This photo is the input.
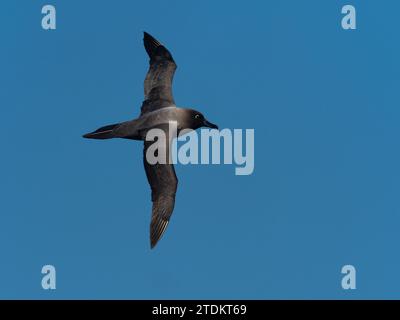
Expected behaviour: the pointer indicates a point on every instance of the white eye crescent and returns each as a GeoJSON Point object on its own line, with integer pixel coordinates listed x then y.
{"type": "Point", "coordinates": [197, 116]}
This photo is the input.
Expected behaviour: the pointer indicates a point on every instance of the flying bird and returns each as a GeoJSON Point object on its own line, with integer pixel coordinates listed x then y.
{"type": "Point", "coordinates": [157, 110]}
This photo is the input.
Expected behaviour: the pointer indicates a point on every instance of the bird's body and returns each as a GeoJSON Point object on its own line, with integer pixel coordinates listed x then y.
{"type": "Point", "coordinates": [158, 110]}
{"type": "Point", "coordinates": [136, 129]}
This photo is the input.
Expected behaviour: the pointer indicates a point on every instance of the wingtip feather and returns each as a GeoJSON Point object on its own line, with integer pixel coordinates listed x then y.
{"type": "Point", "coordinates": [157, 230]}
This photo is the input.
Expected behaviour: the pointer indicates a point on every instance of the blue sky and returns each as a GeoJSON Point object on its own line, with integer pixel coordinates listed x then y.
{"type": "Point", "coordinates": [324, 103]}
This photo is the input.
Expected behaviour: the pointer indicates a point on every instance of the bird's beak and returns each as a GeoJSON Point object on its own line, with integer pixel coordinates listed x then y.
{"type": "Point", "coordinates": [209, 124]}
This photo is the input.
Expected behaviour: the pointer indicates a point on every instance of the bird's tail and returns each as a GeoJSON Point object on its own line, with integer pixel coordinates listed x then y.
{"type": "Point", "coordinates": [106, 132]}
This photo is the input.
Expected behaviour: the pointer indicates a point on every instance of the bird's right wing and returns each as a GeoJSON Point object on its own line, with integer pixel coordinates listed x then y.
{"type": "Point", "coordinates": [163, 183]}
{"type": "Point", "coordinates": [158, 82]}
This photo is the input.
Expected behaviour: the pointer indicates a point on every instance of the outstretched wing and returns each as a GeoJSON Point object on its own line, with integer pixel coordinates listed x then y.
{"type": "Point", "coordinates": [163, 183]}
{"type": "Point", "coordinates": [158, 82]}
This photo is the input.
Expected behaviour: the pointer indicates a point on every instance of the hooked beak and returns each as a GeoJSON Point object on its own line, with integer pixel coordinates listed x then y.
{"type": "Point", "coordinates": [209, 124]}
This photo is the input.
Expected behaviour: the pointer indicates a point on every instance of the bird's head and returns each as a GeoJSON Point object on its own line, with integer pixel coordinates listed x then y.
{"type": "Point", "coordinates": [195, 119]}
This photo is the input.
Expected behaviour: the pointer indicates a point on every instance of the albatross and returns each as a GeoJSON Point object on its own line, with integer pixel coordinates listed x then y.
{"type": "Point", "coordinates": [157, 111]}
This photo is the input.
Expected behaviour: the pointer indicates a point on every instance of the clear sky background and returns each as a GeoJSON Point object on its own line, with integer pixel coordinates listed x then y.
{"type": "Point", "coordinates": [324, 103]}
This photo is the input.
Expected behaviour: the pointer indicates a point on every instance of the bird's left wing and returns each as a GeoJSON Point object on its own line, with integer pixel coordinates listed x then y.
{"type": "Point", "coordinates": [163, 183]}
{"type": "Point", "coordinates": [158, 82]}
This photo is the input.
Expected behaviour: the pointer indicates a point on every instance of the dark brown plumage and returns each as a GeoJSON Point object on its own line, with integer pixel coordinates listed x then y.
{"type": "Point", "coordinates": [158, 82]}
{"type": "Point", "coordinates": [157, 110]}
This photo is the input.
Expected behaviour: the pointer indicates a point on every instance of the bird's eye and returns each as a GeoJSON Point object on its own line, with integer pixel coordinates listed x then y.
{"type": "Point", "coordinates": [197, 116]}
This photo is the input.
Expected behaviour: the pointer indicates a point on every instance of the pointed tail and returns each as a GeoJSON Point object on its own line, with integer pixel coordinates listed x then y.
{"type": "Point", "coordinates": [106, 132]}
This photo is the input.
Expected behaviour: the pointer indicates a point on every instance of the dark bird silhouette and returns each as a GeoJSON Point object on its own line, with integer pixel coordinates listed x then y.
{"type": "Point", "coordinates": [158, 109]}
